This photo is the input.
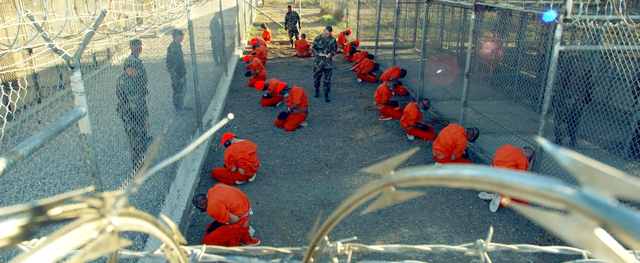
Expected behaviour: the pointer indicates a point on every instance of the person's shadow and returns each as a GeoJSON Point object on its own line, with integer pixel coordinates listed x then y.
{"type": "Point", "coordinates": [216, 40]}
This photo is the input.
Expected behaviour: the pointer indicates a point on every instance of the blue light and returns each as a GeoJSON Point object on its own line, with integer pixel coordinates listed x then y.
{"type": "Point", "coordinates": [549, 16]}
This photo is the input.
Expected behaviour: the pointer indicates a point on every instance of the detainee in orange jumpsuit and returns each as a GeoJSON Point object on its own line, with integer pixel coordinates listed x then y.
{"type": "Point", "coordinates": [382, 98]}
{"type": "Point", "coordinates": [266, 34]}
{"type": "Point", "coordinates": [364, 70]}
{"type": "Point", "coordinates": [342, 39]}
{"type": "Point", "coordinates": [350, 49]}
{"type": "Point", "coordinates": [272, 97]}
{"type": "Point", "coordinates": [395, 73]}
{"type": "Point", "coordinates": [259, 41]}
{"type": "Point", "coordinates": [359, 56]}
{"type": "Point", "coordinates": [240, 161]}
{"type": "Point", "coordinates": [256, 69]}
{"type": "Point", "coordinates": [230, 210]}
{"type": "Point", "coordinates": [452, 143]}
{"type": "Point", "coordinates": [411, 118]}
{"type": "Point", "coordinates": [297, 107]}
{"type": "Point", "coordinates": [260, 52]}
{"type": "Point", "coordinates": [508, 157]}
{"type": "Point", "coordinates": [302, 47]}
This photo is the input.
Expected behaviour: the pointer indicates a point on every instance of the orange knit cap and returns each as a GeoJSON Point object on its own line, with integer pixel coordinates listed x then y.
{"type": "Point", "coordinates": [260, 85]}
{"type": "Point", "coordinates": [227, 136]}
{"type": "Point", "coordinates": [356, 42]}
{"type": "Point", "coordinates": [348, 31]}
{"type": "Point", "coordinates": [254, 41]}
{"type": "Point", "coordinates": [246, 58]}
{"type": "Point", "coordinates": [281, 86]}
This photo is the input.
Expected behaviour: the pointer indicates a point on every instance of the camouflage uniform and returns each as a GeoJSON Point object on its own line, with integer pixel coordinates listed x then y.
{"type": "Point", "coordinates": [323, 66]}
{"type": "Point", "coordinates": [175, 65]}
{"type": "Point", "coordinates": [132, 108]}
{"type": "Point", "coordinates": [571, 95]}
{"type": "Point", "coordinates": [291, 23]}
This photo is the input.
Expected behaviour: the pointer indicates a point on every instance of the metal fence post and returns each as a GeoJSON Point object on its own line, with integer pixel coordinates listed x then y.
{"type": "Point", "coordinates": [442, 22]}
{"type": "Point", "coordinates": [224, 41]}
{"type": "Point", "coordinates": [84, 125]}
{"type": "Point", "coordinates": [347, 13]}
{"type": "Point", "coordinates": [415, 28]}
{"type": "Point", "coordinates": [375, 52]}
{"type": "Point", "coordinates": [194, 67]}
{"type": "Point", "coordinates": [395, 31]}
{"type": "Point", "coordinates": [467, 69]}
{"type": "Point", "coordinates": [358, 19]}
{"type": "Point", "coordinates": [548, 91]}
{"type": "Point", "coordinates": [240, 36]}
{"type": "Point", "coordinates": [423, 44]}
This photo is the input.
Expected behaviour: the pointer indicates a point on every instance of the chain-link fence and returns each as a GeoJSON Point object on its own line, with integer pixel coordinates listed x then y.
{"type": "Point", "coordinates": [149, 71]}
{"type": "Point", "coordinates": [590, 107]}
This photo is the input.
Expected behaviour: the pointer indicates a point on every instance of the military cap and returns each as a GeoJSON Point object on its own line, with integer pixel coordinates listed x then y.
{"type": "Point", "coordinates": [177, 32]}
{"type": "Point", "coordinates": [135, 42]}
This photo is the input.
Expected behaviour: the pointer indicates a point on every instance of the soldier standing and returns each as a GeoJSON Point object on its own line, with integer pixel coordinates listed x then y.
{"type": "Point", "coordinates": [324, 48]}
{"type": "Point", "coordinates": [290, 20]}
{"type": "Point", "coordinates": [572, 95]}
{"type": "Point", "coordinates": [131, 91]}
{"type": "Point", "coordinates": [176, 68]}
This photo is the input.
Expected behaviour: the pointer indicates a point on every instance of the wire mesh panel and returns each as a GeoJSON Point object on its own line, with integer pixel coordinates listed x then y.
{"type": "Point", "coordinates": [408, 42]}
{"type": "Point", "coordinates": [368, 12]}
{"type": "Point", "coordinates": [446, 40]}
{"type": "Point", "coordinates": [140, 75]}
{"type": "Point", "coordinates": [594, 107]}
{"type": "Point", "coordinates": [509, 67]}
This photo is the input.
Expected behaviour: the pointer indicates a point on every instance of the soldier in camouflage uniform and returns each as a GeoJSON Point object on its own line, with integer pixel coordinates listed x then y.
{"type": "Point", "coordinates": [571, 96]}
{"type": "Point", "coordinates": [290, 20]}
{"type": "Point", "coordinates": [176, 68]}
{"type": "Point", "coordinates": [324, 48]}
{"type": "Point", "coordinates": [131, 91]}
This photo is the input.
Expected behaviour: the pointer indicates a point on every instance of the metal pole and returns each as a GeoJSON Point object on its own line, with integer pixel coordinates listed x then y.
{"type": "Point", "coordinates": [375, 53]}
{"type": "Point", "coordinates": [358, 20]}
{"type": "Point", "coordinates": [268, 16]}
{"type": "Point", "coordinates": [23, 150]}
{"type": "Point", "coordinates": [467, 68]}
{"type": "Point", "coordinates": [194, 68]}
{"type": "Point", "coordinates": [519, 53]}
{"type": "Point", "coordinates": [443, 14]}
{"type": "Point", "coordinates": [395, 31]}
{"type": "Point", "coordinates": [300, 12]}
{"type": "Point", "coordinates": [224, 42]}
{"type": "Point", "coordinates": [423, 44]}
{"type": "Point", "coordinates": [548, 92]}
{"type": "Point", "coordinates": [415, 28]}
{"type": "Point", "coordinates": [238, 22]}
{"type": "Point", "coordinates": [551, 76]}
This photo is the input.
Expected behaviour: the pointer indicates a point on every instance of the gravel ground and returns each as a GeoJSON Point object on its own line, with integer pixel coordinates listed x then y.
{"type": "Point", "coordinates": [310, 171]}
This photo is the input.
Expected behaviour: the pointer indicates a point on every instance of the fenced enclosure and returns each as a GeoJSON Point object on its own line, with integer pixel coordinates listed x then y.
{"type": "Point", "coordinates": [499, 67]}
{"type": "Point", "coordinates": [55, 56]}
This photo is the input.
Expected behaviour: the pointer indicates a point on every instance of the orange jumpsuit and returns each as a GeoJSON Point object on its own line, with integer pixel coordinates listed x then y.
{"type": "Point", "coordinates": [241, 155]}
{"type": "Point", "coordinates": [302, 46]}
{"type": "Point", "coordinates": [511, 157]}
{"type": "Point", "coordinates": [363, 68]}
{"type": "Point", "coordinates": [410, 117]}
{"type": "Point", "coordinates": [341, 41]}
{"type": "Point", "coordinates": [393, 73]}
{"type": "Point", "coordinates": [359, 56]}
{"type": "Point", "coordinates": [256, 65]}
{"type": "Point", "coordinates": [224, 200]}
{"type": "Point", "coordinates": [266, 35]}
{"type": "Point", "coordinates": [381, 97]}
{"type": "Point", "coordinates": [262, 53]}
{"type": "Point", "coordinates": [273, 90]}
{"type": "Point", "coordinates": [452, 140]}
{"type": "Point", "coordinates": [296, 96]}
{"type": "Point", "coordinates": [258, 40]}
{"type": "Point", "coordinates": [347, 51]}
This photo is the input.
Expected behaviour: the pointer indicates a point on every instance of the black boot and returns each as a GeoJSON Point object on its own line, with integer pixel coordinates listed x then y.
{"type": "Point", "coordinates": [326, 97]}
{"type": "Point", "coordinates": [317, 93]}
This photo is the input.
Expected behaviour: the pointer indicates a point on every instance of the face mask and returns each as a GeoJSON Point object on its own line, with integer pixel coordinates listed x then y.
{"type": "Point", "coordinates": [421, 110]}
{"type": "Point", "coordinates": [286, 95]}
